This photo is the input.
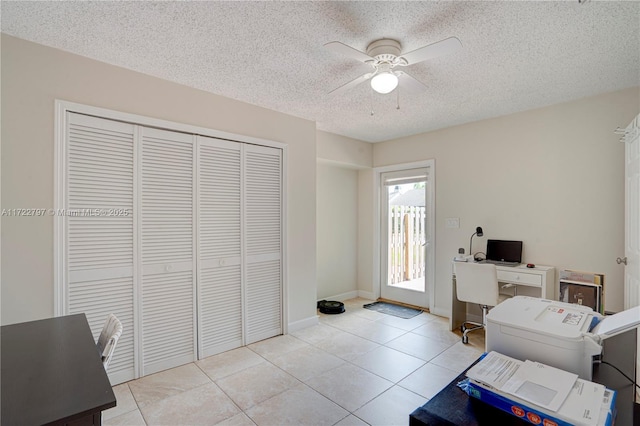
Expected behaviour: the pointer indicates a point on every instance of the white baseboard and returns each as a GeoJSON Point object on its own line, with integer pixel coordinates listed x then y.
{"type": "Point", "coordinates": [342, 297]}
{"type": "Point", "coordinates": [303, 323]}
{"type": "Point", "coordinates": [474, 318]}
{"type": "Point", "coordinates": [367, 295]}
{"type": "Point", "coordinates": [351, 295]}
{"type": "Point", "coordinates": [440, 312]}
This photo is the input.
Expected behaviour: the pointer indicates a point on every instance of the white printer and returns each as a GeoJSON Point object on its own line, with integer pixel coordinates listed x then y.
{"type": "Point", "coordinates": [562, 335]}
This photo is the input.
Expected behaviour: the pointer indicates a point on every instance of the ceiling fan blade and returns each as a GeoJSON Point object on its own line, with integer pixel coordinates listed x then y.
{"type": "Point", "coordinates": [439, 48]}
{"type": "Point", "coordinates": [343, 49]}
{"type": "Point", "coordinates": [353, 83]}
{"type": "Point", "coordinates": [407, 81]}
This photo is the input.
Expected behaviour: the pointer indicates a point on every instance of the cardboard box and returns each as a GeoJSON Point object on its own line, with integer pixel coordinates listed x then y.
{"type": "Point", "coordinates": [580, 276]}
{"type": "Point", "coordinates": [532, 414]}
{"type": "Point", "coordinates": [582, 294]}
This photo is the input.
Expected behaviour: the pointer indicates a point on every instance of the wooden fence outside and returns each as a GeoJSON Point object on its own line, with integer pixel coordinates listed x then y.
{"type": "Point", "coordinates": [406, 243]}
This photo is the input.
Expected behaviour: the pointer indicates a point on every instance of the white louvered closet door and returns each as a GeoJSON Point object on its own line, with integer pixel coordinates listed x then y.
{"type": "Point", "coordinates": [219, 246]}
{"type": "Point", "coordinates": [99, 229]}
{"type": "Point", "coordinates": [167, 242]}
{"type": "Point", "coordinates": [144, 208]}
{"type": "Point", "coordinates": [263, 240]}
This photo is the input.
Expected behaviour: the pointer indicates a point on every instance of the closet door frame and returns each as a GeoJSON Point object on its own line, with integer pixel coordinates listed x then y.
{"type": "Point", "coordinates": [60, 178]}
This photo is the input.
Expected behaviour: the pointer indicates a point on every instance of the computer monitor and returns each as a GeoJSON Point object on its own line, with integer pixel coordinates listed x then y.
{"type": "Point", "coordinates": [504, 250]}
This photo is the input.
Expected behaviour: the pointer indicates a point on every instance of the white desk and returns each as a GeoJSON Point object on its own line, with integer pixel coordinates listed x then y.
{"type": "Point", "coordinates": [538, 282]}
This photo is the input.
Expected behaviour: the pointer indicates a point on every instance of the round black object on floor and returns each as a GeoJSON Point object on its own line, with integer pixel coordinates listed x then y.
{"type": "Point", "coordinates": [330, 307]}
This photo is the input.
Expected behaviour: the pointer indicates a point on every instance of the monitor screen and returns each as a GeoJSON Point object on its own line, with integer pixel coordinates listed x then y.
{"type": "Point", "coordinates": [504, 250]}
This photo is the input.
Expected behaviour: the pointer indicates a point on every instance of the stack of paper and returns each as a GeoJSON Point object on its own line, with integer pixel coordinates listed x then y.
{"type": "Point", "coordinates": [542, 391]}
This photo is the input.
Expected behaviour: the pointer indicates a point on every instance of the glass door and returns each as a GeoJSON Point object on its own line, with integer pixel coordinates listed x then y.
{"type": "Point", "coordinates": [404, 236]}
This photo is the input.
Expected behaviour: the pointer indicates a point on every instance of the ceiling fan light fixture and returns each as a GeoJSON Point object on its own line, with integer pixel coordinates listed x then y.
{"type": "Point", "coordinates": [384, 82]}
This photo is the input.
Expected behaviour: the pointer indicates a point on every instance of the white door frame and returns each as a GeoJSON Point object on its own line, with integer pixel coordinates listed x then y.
{"type": "Point", "coordinates": [377, 227]}
{"type": "Point", "coordinates": [631, 140]}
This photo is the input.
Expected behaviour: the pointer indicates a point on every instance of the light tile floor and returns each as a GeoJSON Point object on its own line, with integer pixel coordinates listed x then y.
{"type": "Point", "coordinates": [356, 368]}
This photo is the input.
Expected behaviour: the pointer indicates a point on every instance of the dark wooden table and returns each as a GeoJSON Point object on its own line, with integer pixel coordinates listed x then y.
{"type": "Point", "coordinates": [52, 374]}
{"type": "Point", "coordinates": [452, 407]}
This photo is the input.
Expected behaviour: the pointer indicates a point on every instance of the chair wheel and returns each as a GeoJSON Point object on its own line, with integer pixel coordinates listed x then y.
{"type": "Point", "coordinates": [465, 340]}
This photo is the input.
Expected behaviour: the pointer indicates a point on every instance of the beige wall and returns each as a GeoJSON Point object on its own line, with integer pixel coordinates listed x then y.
{"type": "Point", "coordinates": [366, 231]}
{"type": "Point", "coordinates": [344, 151]}
{"type": "Point", "coordinates": [341, 242]}
{"type": "Point", "coordinates": [337, 231]}
{"type": "Point", "coordinates": [551, 177]}
{"type": "Point", "coordinates": [33, 76]}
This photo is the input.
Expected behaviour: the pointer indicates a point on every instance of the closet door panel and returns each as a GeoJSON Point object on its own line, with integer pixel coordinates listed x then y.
{"type": "Point", "coordinates": [98, 231]}
{"type": "Point", "coordinates": [263, 301]}
{"type": "Point", "coordinates": [219, 246]}
{"type": "Point", "coordinates": [221, 312]}
{"type": "Point", "coordinates": [167, 320]}
{"type": "Point", "coordinates": [263, 237]}
{"type": "Point", "coordinates": [167, 249]}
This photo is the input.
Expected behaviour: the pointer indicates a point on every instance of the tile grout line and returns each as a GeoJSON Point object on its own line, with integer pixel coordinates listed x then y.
{"type": "Point", "coordinates": [225, 393]}
{"type": "Point", "coordinates": [318, 392]}
{"type": "Point", "coordinates": [344, 361]}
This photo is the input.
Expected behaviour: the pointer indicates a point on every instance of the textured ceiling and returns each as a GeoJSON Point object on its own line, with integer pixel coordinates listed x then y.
{"type": "Point", "coordinates": [516, 55]}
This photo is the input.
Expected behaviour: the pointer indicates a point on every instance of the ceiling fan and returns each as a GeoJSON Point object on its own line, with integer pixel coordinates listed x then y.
{"type": "Point", "coordinates": [384, 57]}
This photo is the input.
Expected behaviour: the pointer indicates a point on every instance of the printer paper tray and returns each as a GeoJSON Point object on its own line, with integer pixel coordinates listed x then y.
{"type": "Point", "coordinates": [618, 323]}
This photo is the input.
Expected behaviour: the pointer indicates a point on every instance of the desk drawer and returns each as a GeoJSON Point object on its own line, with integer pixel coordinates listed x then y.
{"type": "Point", "coordinates": [520, 278]}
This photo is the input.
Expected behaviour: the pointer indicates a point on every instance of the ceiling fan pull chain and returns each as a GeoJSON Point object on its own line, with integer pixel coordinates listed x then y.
{"type": "Point", "coordinates": [398, 97]}
{"type": "Point", "coordinates": [371, 102]}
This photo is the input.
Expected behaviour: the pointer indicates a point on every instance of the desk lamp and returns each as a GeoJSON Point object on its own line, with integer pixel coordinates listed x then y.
{"type": "Point", "coordinates": [479, 233]}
